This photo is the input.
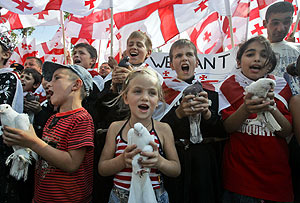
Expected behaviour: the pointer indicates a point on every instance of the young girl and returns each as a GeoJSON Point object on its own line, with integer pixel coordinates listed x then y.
{"type": "Point", "coordinates": [255, 164]}
{"type": "Point", "coordinates": [141, 92]}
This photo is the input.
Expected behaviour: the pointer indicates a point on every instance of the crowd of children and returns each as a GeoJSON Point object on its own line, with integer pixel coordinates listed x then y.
{"type": "Point", "coordinates": [80, 125]}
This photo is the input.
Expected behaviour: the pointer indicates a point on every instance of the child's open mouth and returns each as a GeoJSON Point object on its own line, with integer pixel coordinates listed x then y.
{"type": "Point", "coordinates": [133, 54]}
{"type": "Point", "coordinates": [185, 68]}
{"type": "Point", "coordinates": [255, 67]}
{"type": "Point", "coordinates": [143, 107]}
{"type": "Point", "coordinates": [77, 61]}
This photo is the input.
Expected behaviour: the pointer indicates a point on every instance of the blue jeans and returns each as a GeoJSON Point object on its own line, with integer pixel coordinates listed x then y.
{"type": "Point", "coordinates": [231, 197]}
{"type": "Point", "coordinates": [161, 198]}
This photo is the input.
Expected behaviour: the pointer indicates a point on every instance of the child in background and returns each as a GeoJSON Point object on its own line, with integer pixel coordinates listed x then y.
{"type": "Point", "coordinates": [11, 93]}
{"type": "Point", "coordinates": [31, 79]}
{"type": "Point", "coordinates": [139, 48]}
{"type": "Point", "coordinates": [199, 180]}
{"type": "Point", "coordinates": [255, 162]}
{"type": "Point", "coordinates": [141, 92]}
{"type": "Point", "coordinates": [64, 171]}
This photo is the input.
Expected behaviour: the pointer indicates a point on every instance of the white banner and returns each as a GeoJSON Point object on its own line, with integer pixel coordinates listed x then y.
{"type": "Point", "coordinates": [213, 68]}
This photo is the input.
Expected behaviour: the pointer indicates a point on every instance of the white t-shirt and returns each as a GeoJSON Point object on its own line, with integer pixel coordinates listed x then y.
{"type": "Point", "coordinates": [287, 53]}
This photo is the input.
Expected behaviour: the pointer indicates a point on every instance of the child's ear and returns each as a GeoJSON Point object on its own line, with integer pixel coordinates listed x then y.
{"type": "Point", "coordinates": [35, 86]}
{"type": "Point", "coordinates": [238, 63]}
{"type": "Point", "coordinates": [93, 61]}
{"type": "Point", "coordinates": [77, 85]}
{"type": "Point", "coordinates": [149, 52]}
{"type": "Point", "coordinates": [171, 65]}
{"type": "Point", "coordinates": [125, 99]}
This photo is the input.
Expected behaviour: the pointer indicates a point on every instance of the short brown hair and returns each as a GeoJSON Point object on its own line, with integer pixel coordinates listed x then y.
{"type": "Point", "coordinates": [143, 35]}
{"type": "Point", "coordinates": [182, 43]}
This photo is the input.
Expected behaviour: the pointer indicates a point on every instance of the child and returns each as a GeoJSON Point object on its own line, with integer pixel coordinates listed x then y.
{"type": "Point", "coordinates": [30, 79]}
{"type": "Point", "coordinates": [255, 162]}
{"type": "Point", "coordinates": [10, 93]}
{"type": "Point", "coordinates": [200, 179]}
{"type": "Point", "coordinates": [64, 170]}
{"type": "Point", "coordinates": [139, 48]}
{"type": "Point", "coordinates": [141, 92]}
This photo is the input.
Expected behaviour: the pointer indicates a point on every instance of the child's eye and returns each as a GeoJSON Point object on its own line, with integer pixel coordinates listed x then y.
{"type": "Point", "coordinates": [178, 55]}
{"type": "Point", "coordinates": [249, 54]}
{"type": "Point", "coordinates": [153, 93]}
{"type": "Point", "coordinates": [137, 91]}
{"type": "Point", "coordinates": [190, 54]}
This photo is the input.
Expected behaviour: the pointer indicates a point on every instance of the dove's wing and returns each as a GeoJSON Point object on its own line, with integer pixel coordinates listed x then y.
{"type": "Point", "coordinates": [22, 121]}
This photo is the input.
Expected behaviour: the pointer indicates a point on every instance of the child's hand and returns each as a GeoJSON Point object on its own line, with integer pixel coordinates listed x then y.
{"type": "Point", "coordinates": [120, 73]}
{"type": "Point", "coordinates": [259, 104]}
{"type": "Point", "coordinates": [153, 160]}
{"type": "Point", "coordinates": [13, 136]}
{"type": "Point", "coordinates": [129, 152]}
{"type": "Point", "coordinates": [32, 106]}
{"type": "Point", "coordinates": [192, 105]}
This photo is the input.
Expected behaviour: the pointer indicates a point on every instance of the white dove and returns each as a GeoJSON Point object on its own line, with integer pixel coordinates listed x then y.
{"type": "Point", "coordinates": [260, 89]}
{"type": "Point", "coordinates": [195, 120]}
{"type": "Point", "coordinates": [141, 189]}
{"type": "Point", "coordinates": [21, 158]}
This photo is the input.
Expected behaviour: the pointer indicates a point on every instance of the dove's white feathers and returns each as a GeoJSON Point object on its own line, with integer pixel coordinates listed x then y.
{"type": "Point", "coordinates": [260, 89]}
{"type": "Point", "coordinates": [141, 189]}
{"type": "Point", "coordinates": [21, 157]}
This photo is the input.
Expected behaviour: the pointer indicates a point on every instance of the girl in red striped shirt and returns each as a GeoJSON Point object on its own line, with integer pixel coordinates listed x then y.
{"type": "Point", "coordinates": [141, 92]}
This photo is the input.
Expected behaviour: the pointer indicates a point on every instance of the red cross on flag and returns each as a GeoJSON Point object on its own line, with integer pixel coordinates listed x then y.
{"type": "Point", "coordinates": [53, 50]}
{"type": "Point", "coordinates": [24, 49]}
{"type": "Point", "coordinates": [80, 7]}
{"type": "Point", "coordinates": [207, 35]}
{"type": "Point", "coordinates": [16, 21]}
{"type": "Point", "coordinates": [161, 20]}
{"type": "Point", "coordinates": [93, 26]}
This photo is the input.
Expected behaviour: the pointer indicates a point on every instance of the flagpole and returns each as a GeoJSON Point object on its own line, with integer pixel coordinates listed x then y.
{"type": "Point", "coordinates": [228, 11]}
{"type": "Point", "coordinates": [111, 29]}
{"type": "Point", "coordinates": [64, 38]}
{"type": "Point", "coordinates": [99, 54]}
{"type": "Point", "coordinates": [296, 25]}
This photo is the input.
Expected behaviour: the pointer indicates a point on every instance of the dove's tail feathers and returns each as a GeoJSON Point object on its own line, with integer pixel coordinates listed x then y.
{"type": "Point", "coordinates": [196, 135]}
{"type": "Point", "coordinates": [271, 122]}
{"type": "Point", "coordinates": [20, 161]}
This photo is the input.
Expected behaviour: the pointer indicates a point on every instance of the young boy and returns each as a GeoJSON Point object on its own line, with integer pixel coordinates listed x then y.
{"type": "Point", "coordinates": [30, 79]}
{"type": "Point", "coordinates": [199, 180]}
{"type": "Point", "coordinates": [10, 93]}
{"type": "Point", "coordinates": [64, 170]}
{"type": "Point", "coordinates": [139, 48]}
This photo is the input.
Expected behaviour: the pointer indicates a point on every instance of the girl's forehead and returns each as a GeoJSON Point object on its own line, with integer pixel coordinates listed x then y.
{"type": "Point", "coordinates": [255, 46]}
{"type": "Point", "coordinates": [143, 78]}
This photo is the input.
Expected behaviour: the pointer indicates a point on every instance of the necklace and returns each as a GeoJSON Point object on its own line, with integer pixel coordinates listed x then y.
{"type": "Point", "coordinates": [142, 124]}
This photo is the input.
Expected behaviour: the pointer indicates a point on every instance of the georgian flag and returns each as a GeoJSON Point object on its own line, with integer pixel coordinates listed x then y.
{"type": "Point", "coordinates": [23, 50]}
{"type": "Point", "coordinates": [80, 7]}
{"type": "Point", "coordinates": [16, 21]}
{"type": "Point", "coordinates": [161, 20]}
{"type": "Point", "coordinates": [94, 26]}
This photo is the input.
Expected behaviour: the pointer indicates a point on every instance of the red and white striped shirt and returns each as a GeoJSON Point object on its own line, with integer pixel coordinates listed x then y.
{"type": "Point", "coordinates": [123, 178]}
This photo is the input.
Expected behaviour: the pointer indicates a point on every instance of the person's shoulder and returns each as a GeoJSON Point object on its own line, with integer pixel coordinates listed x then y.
{"type": "Point", "coordinates": [295, 99]}
{"type": "Point", "coordinates": [162, 126]}
{"type": "Point", "coordinates": [117, 125]}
